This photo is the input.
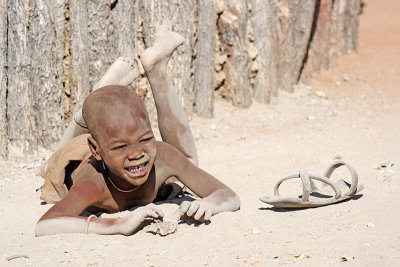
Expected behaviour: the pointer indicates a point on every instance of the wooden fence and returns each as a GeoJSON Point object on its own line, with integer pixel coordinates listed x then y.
{"type": "Point", "coordinates": [52, 52]}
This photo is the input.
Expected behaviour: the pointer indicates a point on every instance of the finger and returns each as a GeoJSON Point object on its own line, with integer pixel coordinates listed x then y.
{"type": "Point", "coordinates": [177, 215]}
{"type": "Point", "coordinates": [199, 213]}
{"type": "Point", "coordinates": [184, 207]}
{"type": "Point", "coordinates": [193, 208]}
{"type": "Point", "coordinates": [149, 213]}
{"type": "Point", "coordinates": [207, 215]}
{"type": "Point", "coordinates": [158, 210]}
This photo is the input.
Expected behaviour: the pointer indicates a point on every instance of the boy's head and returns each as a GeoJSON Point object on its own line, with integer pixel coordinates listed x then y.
{"type": "Point", "coordinates": [121, 134]}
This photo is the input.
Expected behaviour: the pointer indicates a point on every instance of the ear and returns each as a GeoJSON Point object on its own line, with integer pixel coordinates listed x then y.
{"type": "Point", "coordinates": [94, 148]}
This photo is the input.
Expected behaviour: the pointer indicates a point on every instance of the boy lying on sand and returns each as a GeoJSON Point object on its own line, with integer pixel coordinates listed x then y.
{"type": "Point", "coordinates": [128, 166]}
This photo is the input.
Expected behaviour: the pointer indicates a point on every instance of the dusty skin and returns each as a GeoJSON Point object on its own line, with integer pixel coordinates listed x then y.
{"type": "Point", "coordinates": [250, 150]}
{"type": "Point", "coordinates": [124, 171]}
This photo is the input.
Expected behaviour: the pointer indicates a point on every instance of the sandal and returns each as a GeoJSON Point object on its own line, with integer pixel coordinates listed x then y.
{"type": "Point", "coordinates": [317, 199]}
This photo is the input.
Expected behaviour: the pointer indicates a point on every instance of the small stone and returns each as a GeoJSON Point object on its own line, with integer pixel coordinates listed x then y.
{"type": "Point", "coordinates": [346, 77]}
{"type": "Point", "coordinates": [337, 83]}
{"type": "Point", "coordinates": [255, 231]}
{"type": "Point", "coordinates": [162, 228]}
{"type": "Point", "coordinates": [310, 118]}
{"type": "Point", "coordinates": [368, 244]}
{"type": "Point", "coordinates": [370, 224]}
{"type": "Point", "coordinates": [213, 127]}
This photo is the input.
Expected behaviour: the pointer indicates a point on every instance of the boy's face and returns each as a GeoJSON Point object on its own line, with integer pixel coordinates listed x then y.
{"type": "Point", "coordinates": [128, 148]}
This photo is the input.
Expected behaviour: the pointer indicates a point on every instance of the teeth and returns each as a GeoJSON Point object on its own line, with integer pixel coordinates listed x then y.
{"type": "Point", "coordinates": [135, 168]}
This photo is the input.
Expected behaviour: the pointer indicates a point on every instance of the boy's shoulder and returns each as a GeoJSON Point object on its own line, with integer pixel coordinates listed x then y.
{"type": "Point", "coordinates": [90, 172]}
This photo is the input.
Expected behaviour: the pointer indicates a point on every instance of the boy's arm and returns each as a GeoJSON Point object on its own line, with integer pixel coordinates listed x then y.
{"type": "Point", "coordinates": [216, 196]}
{"type": "Point", "coordinates": [64, 217]}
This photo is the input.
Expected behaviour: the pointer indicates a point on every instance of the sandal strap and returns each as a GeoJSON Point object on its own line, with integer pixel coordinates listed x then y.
{"type": "Point", "coordinates": [354, 175]}
{"type": "Point", "coordinates": [303, 174]}
{"type": "Point", "coordinates": [306, 181]}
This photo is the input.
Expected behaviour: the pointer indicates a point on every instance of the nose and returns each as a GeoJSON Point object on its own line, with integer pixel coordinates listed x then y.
{"type": "Point", "coordinates": [135, 153]}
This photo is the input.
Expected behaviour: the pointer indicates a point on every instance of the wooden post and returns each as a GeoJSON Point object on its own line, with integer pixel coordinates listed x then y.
{"type": "Point", "coordinates": [20, 102]}
{"type": "Point", "coordinates": [79, 48]}
{"type": "Point", "coordinates": [296, 18]}
{"type": "Point", "coordinates": [266, 41]}
{"type": "Point", "coordinates": [232, 25]}
{"type": "Point", "coordinates": [180, 15]}
{"type": "Point", "coordinates": [204, 63]}
{"type": "Point", "coordinates": [46, 46]}
{"type": "Point", "coordinates": [3, 80]}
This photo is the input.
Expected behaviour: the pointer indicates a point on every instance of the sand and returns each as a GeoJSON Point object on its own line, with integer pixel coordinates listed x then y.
{"type": "Point", "coordinates": [250, 150]}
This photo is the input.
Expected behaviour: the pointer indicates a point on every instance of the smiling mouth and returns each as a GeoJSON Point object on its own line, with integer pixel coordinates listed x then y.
{"type": "Point", "coordinates": [137, 171]}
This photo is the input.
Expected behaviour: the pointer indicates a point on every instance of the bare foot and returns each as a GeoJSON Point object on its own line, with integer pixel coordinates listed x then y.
{"type": "Point", "coordinates": [165, 43]}
{"type": "Point", "coordinates": [122, 72]}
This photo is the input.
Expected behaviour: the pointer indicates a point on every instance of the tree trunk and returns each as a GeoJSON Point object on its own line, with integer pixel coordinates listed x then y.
{"type": "Point", "coordinates": [125, 25]}
{"type": "Point", "coordinates": [204, 63]}
{"type": "Point", "coordinates": [346, 15]}
{"type": "Point", "coordinates": [3, 80]}
{"type": "Point", "coordinates": [46, 45]}
{"type": "Point", "coordinates": [334, 33]}
{"type": "Point", "coordinates": [296, 18]}
{"type": "Point", "coordinates": [266, 41]}
{"type": "Point", "coordinates": [180, 15]}
{"type": "Point", "coordinates": [20, 111]}
{"type": "Point", "coordinates": [79, 49]}
{"type": "Point", "coordinates": [232, 25]}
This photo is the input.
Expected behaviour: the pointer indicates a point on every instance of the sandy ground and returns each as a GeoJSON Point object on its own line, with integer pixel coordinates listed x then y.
{"type": "Point", "coordinates": [250, 150]}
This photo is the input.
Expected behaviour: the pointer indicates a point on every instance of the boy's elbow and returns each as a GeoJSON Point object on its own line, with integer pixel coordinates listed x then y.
{"type": "Point", "coordinates": [236, 203]}
{"type": "Point", "coordinates": [39, 231]}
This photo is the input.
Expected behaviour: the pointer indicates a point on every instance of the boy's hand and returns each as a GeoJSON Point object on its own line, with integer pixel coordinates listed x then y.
{"type": "Point", "coordinates": [198, 210]}
{"type": "Point", "coordinates": [131, 222]}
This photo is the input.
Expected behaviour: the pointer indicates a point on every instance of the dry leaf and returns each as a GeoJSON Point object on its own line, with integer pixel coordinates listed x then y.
{"type": "Point", "coordinates": [346, 258]}
{"type": "Point", "coordinates": [302, 256]}
{"type": "Point", "coordinates": [320, 94]}
{"type": "Point", "coordinates": [386, 164]}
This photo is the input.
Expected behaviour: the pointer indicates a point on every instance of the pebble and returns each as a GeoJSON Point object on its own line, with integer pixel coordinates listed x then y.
{"type": "Point", "coordinates": [337, 83]}
{"type": "Point", "coordinates": [310, 118]}
{"type": "Point", "coordinates": [370, 224]}
{"type": "Point", "coordinates": [346, 77]}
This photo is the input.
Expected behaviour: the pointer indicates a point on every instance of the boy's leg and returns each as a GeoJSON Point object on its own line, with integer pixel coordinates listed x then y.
{"type": "Point", "coordinates": [172, 119]}
{"type": "Point", "coordinates": [122, 72]}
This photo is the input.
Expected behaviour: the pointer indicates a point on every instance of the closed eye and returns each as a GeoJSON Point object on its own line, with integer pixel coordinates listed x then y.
{"type": "Point", "coordinates": [119, 147]}
{"type": "Point", "coordinates": [144, 140]}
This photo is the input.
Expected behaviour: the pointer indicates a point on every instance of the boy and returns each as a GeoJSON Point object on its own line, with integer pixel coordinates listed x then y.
{"type": "Point", "coordinates": [128, 166]}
